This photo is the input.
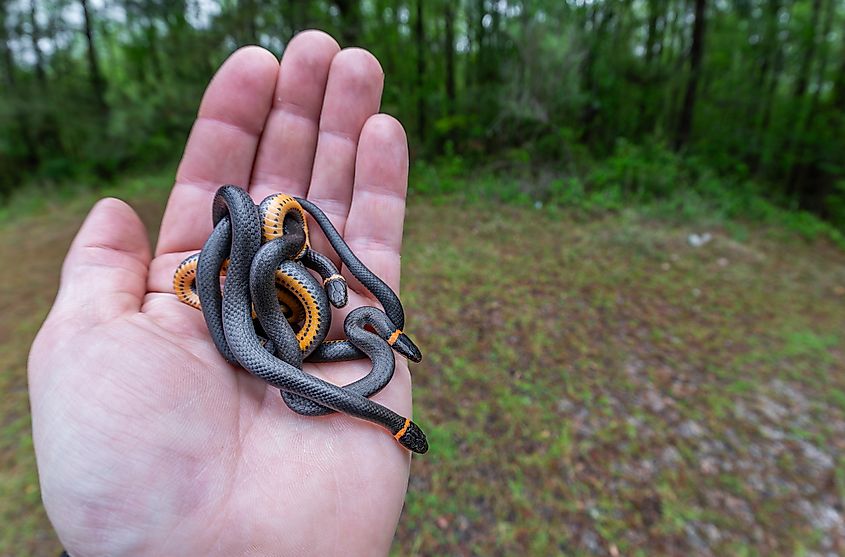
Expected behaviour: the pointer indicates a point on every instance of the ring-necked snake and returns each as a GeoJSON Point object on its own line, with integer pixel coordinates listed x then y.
{"type": "Point", "coordinates": [263, 253]}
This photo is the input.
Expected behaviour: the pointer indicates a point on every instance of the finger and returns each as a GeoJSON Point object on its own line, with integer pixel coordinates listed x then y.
{"type": "Point", "coordinates": [162, 268]}
{"type": "Point", "coordinates": [377, 214]}
{"type": "Point", "coordinates": [221, 148]}
{"type": "Point", "coordinates": [105, 272]}
{"type": "Point", "coordinates": [353, 94]}
{"type": "Point", "coordinates": [286, 150]}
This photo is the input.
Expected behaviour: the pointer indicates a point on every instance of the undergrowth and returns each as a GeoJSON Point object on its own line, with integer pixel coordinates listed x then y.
{"type": "Point", "coordinates": [647, 178]}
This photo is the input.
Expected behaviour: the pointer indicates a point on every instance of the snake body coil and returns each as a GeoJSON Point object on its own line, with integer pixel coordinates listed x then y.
{"type": "Point", "coordinates": [254, 273]}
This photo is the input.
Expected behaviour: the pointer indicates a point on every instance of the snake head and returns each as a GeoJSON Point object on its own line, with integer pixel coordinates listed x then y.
{"type": "Point", "coordinates": [405, 346]}
{"type": "Point", "coordinates": [414, 439]}
{"type": "Point", "coordinates": [336, 292]}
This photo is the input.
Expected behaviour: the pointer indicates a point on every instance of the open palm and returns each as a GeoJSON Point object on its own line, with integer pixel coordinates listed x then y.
{"type": "Point", "coordinates": [148, 442]}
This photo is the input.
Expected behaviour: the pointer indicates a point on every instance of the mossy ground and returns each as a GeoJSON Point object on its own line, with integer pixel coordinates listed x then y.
{"type": "Point", "coordinates": [590, 386]}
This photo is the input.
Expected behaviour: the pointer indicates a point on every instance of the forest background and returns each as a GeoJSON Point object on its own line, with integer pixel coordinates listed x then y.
{"type": "Point", "coordinates": [724, 108]}
{"type": "Point", "coordinates": [641, 202]}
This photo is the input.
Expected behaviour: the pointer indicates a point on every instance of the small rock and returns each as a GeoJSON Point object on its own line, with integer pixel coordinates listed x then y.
{"type": "Point", "coordinates": [564, 405]}
{"type": "Point", "coordinates": [755, 482]}
{"type": "Point", "coordinates": [645, 470]}
{"type": "Point", "coordinates": [772, 433]}
{"type": "Point", "coordinates": [634, 367]}
{"type": "Point", "coordinates": [590, 542]}
{"type": "Point", "coordinates": [695, 539]}
{"type": "Point", "coordinates": [709, 466]}
{"type": "Point", "coordinates": [698, 240]}
{"type": "Point", "coordinates": [730, 505]}
{"type": "Point", "coordinates": [714, 535]}
{"type": "Point", "coordinates": [824, 518]}
{"type": "Point", "coordinates": [654, 401]}
{"type": "Point", "coordinates": [828, 518]}
{"type": "Point", "coordinates": [690, 430]}
{"type": "Point", "coordinates": [745, 414]}
{"type": "Point", "coordinates": [670, 456]}
{"type": "Point", "coordinates": [820, 463]}
{"type": "Point", "coordinates": [772, 410]}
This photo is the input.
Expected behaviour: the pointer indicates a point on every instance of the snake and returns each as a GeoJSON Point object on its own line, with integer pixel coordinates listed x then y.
{"type": "Point", "coordinates": [332, 351]}
{"type": "Point", "coordinates": [280, 214]}
{"type": "Point", "coordinates": [270, 242]}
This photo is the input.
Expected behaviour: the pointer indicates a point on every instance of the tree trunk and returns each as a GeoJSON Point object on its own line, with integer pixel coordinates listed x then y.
{"type": "Point", "coordinates": [34, 37]}
{"type": "Point", "coordinates": [802, 163]}
{"type": "Point", "coordinates": [651, 37]}
{"type": "Point", "coordinates": [449, 51]}
{"type": "Point", "coordinates": [809, 52]}
{"type": "Point", "coordinates": [696, 54]}
{"type": "Point", "coordinates": [350, 15]}
{"type": "Point", "coordinates": [824, 53]}
{"type": "Point", "coordinates": [591, 108]}
{"type": "Point", "coordinates": [296, 17]}
{"type": "Point", "coordinates": [768, 46]}
{"type": "Point", "coordinates": [766, 81]}
{"type": "Point", "coordinates": [649, 90]}
{"type": "Point", "coordinates": [10, 83]}
{"type": "Point", "coordinates": [800, 119]}
{"type": "Point", "coordinates": [7, 59]}
{"type": "Point", "coordinates": [419, 36]}
{"type": "Point", "coordinates": [98, 86]}
{"type": "Point", "coordinates": [152, 40]}
{"type": "Point", "coordinates": [481, 47]}
{"type": "Point", "coordinates": [839, 81]}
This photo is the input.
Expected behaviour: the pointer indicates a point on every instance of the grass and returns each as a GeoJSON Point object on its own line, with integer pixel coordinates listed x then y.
{"type": "Point", "coordinates": [592, 384]}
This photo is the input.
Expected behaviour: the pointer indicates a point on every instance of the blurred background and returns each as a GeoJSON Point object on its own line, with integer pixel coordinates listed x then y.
{"type": "Point", "coordinates": [623, 259]}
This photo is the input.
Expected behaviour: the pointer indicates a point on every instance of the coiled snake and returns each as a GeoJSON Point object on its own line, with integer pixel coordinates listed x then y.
{"type": "Point", "coordinates": [263, 253]}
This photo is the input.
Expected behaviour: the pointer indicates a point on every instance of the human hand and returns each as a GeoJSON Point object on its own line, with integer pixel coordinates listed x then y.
{"type": "Point", "coordinates": [147, 441]}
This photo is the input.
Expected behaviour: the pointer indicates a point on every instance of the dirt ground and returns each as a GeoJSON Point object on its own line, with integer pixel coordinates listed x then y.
{"type": "Point", "coordinates": [590, 386]}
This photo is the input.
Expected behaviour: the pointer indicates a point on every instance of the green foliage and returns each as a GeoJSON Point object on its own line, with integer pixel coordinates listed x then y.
{"type": "Point", "coordinates": [650, 177]}
{"type": "Point", "coordinates": [588, 91]}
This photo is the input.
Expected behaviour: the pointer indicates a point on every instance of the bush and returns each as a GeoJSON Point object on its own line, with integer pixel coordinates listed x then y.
{"type": "Point", "coordinates": [649, 176]}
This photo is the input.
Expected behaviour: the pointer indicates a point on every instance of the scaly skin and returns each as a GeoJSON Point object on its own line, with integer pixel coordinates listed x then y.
{"type": "Point", "coordinates": [148, 443]}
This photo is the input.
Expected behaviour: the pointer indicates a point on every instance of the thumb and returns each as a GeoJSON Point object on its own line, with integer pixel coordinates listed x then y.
{"type": "Point", "coordinates": [105, 272]}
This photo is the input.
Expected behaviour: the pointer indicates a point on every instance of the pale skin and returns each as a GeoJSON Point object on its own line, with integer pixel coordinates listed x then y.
{"type": "Point", "coordinates": [148, 443]}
